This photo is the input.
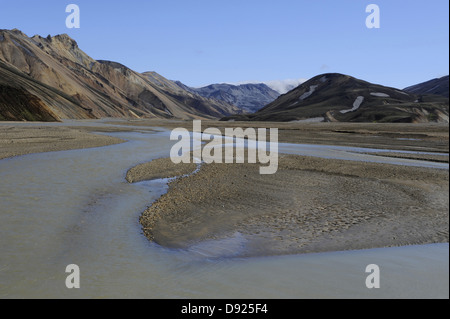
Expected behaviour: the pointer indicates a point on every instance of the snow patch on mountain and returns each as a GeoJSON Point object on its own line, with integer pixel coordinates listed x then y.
{"type": "Point", "coordinates": [377, 94]}
{"type": "Point", "coordinates": [306, 95]}
{"type": "Point", "coordinates": [359, 100]}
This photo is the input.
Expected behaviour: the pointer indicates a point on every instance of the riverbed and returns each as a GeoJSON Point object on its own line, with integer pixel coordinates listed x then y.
{"type": "Point", "coordinates": [75, 207]}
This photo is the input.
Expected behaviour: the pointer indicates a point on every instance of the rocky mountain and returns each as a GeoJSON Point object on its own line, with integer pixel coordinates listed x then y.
{"type": "Point", "coordinates": [23, 98]}
{"type": "Point", "coordinates": [208, 106]}
{"type": "Point", "coordinates": [247, 97]}
{"type": "Point", "coordinates": [68, 84]}
{"type": "Point", "coordinates": [338, 97]}
{"type": "Point", "coordinates": [438, 86]}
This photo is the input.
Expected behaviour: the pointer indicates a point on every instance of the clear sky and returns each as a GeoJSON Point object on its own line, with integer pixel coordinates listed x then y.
{"type": "Point", "coordinates": [201, 42]}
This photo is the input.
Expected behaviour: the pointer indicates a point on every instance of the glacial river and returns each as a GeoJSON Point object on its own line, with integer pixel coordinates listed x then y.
{"type": "Point", "coordinates": [75, 207]}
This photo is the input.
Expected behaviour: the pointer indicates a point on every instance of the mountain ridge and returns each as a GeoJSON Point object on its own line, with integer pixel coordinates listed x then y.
{"type": "Point", "coordinates": [335, 97]}
{"type": "Point", "coordinates": [102, 88]}
{"type": "Point", "coordinates": [248, 97]}
{"type": "Point", "coordinates": [438, 86]}
{"type": "Point", "coordinates": [52, 79]}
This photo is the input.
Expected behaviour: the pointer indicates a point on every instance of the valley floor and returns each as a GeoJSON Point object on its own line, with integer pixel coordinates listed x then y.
{"type": "Point", "coordinates": [424, 137]}
{"type": "Point", "coordinates": [19, 139]}
{"type": "Point", "coordinates": [310, 205]}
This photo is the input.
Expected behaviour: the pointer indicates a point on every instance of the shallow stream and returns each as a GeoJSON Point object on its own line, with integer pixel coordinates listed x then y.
{"type": "Point", "coordinates": [75, 207]}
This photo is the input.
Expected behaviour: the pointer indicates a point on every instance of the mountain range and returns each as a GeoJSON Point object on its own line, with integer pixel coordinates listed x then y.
{"type": "Point", "coordinates": [52, 79]}
{"type": "Point", "coordinates": [247, 97]}
{"type": "Point", "coordinates": [337, 97]}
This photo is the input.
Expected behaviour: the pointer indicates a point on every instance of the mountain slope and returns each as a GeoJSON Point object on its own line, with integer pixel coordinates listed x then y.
{"type": "Point", "coordinates": [247, 97]}
{"type": "Point", "coordinates": [208, 106]}
{"type": "Point", "coordinates": [438, 86]}
{"type": "Point", "coordinates": [338, 97]}
{"type": "Point", "coordinates": [24, 99]}
{"type": "Point", "coordinates": [19, 105]}
{"type": "Point", "coordinates": [100, 88]}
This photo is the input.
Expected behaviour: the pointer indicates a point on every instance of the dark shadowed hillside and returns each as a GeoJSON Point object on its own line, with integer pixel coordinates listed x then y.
{"type": "Point", "coordinates": [342, 98]}
{"type": "Point", "coordinates": [437, 86]}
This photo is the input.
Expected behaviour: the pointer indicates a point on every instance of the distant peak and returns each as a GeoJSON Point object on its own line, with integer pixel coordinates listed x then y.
{"type": "Point", "coordinates": [150, 73]}
{"type": "Point", "coordinates": [63, 36]}
{"type": "Point", "coordinates": [332, 75]}
{"type": "Point", "coordinates": [65, 39]}
{"type": "Point", "coordinates": [18, 32]}
{"type": "Point", "coordinates": [14, 31]}
{"type": "Point", "coordinates": [115, 65]}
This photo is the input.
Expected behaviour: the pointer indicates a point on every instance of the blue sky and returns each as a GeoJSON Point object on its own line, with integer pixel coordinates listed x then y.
{"type": "Point", "coordinates": [208, 41]}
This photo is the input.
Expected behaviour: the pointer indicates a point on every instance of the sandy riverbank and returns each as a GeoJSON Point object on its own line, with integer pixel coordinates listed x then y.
{"type": "Point", "coordinates": [18, 140]}
{"type": "Point", "coordinates": [158, 169]}
{"type": "Point", "coordinates": [439, 158]}
{"type": "Point", "coordinates": [310, 205]}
